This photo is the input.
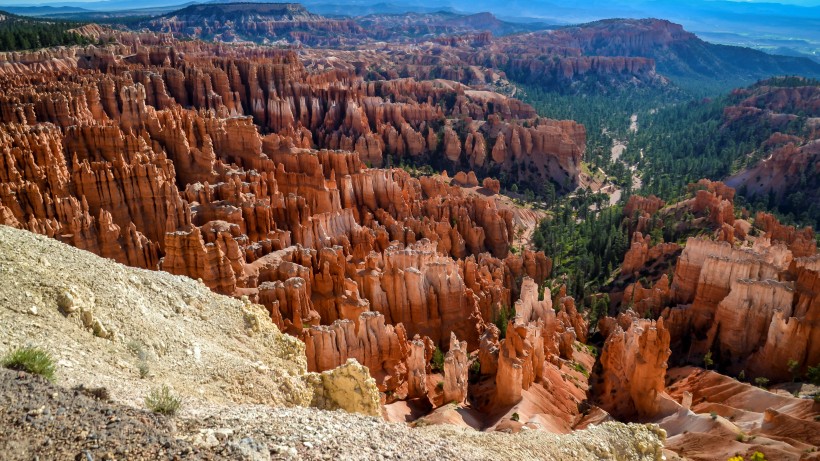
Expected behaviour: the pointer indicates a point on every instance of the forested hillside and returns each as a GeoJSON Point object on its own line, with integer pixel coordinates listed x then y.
{"type": "Point", "coordinates": [22, 33]}
{"type": "Point", "coordinates": [725, 136]}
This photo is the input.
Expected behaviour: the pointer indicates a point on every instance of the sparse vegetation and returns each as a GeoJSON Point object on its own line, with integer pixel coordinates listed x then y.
{"type": "Point", "coordinates": [761, 382]}
{"type": "Point", "coordinates": [437, 362]}
{"type": "Point", "coordinates": [143, 369]}
{"type": "Point", "coordinates": [502, 318]}
{"type": "Point", "coordinates": [758, 456]}
{"type": "Point", "coordinates": [138, 349]}
{"type": "Point", "coordinates": [515, 417]}
{"type": "Point", "coordinates": [31, 359]}
{"type": "Point", "coordinates": [580, 368]}
{"type": "Point", "coordinates": [162, 400]}
{"type": "Point", "coordinates": [813, 375]}
{"type": "Point", "coordinates": [707, 360]}
{"type": "Point", "coordinates": [794, 368]}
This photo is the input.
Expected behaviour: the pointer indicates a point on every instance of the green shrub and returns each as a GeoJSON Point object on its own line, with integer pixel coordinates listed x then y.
{"type": "Point", "coordinates": [162, 400]}
{"type": "Point", "coordinates": [144, 370]}
{"type": "Point", "coordinates": [758, 456]}
{"type": "Point", "coordinates": [707, 360]}
{"type": "Point", "coordinates": [580, 368]}
{"type": "Point", "coordinates": [515, 417]}
{"type": "Point", "coordinates": [761, 382]}
{"type": "Point", "coordinates": [501, 320]}
{"type": "Point", "coordinates": [813, 375]}
{"type": "Point", "coordinates": [32, 360]}
{"type": "Point", "coordinates": [437, 363]}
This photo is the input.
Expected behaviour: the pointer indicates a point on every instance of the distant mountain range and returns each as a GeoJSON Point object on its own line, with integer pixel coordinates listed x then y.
{"type": "Point", "coordinates": [601, 54]}
{"type": "Point", "coordinates": [675, 52]}
{"type": "Point", "coordinates": [794, 29]}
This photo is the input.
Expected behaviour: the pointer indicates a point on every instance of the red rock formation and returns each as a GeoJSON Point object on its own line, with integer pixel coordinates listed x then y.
{"type": "Point", "coordinates": [520, 362]}
{"type": "Point", "coordinates": [800, 242]}
{"type": "Point", "coordinates": [188, 254]}
{"type": "Point", "coordinates": [648, 301]}
{"type": "Point", "coordinates": [199, 160]}
{"type": "Point", "coordinates": [641, 252]}
{"type": "Point", "coordinates": [713, 199]}
{"type": "Point", "coordinates": [492, 185]}
{"type": "Point", "coordinates": [455, 371]}
{"type": "Point", "coordinates": [636, 203]}
{"type": "Point", "coordinates": [382, 348]}
{"type": "Point", "coordinates": [740, 305]}
{"type": "Point", "coordinates": [632, 368]}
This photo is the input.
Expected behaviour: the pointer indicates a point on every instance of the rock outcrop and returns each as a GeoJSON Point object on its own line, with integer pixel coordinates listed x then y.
{"type": "Point", "coordinates": [739, 304]}
{"type": "Point", "coordinates": [641, 252]}
{"type": "Point", "coordinates": [632, 366]}
{"type": "Point", "coordinates": [455, 371]}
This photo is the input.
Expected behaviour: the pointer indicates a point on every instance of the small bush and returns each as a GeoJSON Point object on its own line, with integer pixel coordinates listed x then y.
{"type": "Point", "coordinates": [813, 375]}
{"type": "Point", "coordinates": [138, 350]}
{"type": "Point", "coordinates": [515, 417]}
{"type": "Point", "coordinates": [761, 382]}
{"type": "Point", "coordinates": [437, 363]}
{"type": "Point", "coordinates": [144, 370]}
{"type": "Point", "coordinates": [32, 360]}
{"type": "Point", "coordinates": [163, 401]}
{"type": "Point", "coordinates": [713, 415]}
{"type": "Point", "coordinates": [758, 456]}
{"type": "Point", "coordinates": [580, 368]}
{"type": "Point", "coordinates": [475, 367]}
{"type": "Point", "coordinates": [440, 385]}
{"type": "Point", "coordinates": [707, 360]}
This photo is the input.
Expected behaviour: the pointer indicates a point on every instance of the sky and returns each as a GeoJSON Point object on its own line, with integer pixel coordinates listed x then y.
{"type": "Point", "coordinates": [808, 3]}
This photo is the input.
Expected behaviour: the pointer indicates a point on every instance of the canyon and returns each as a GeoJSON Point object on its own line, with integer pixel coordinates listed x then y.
{"type": "Point", "coordinates": [354, 204]}
{"type": "Point", "coordinates": [229, 170]}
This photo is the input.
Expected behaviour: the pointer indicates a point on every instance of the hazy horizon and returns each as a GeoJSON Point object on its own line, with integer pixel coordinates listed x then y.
{"type": "Point", "coordinates": [445, 4]}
